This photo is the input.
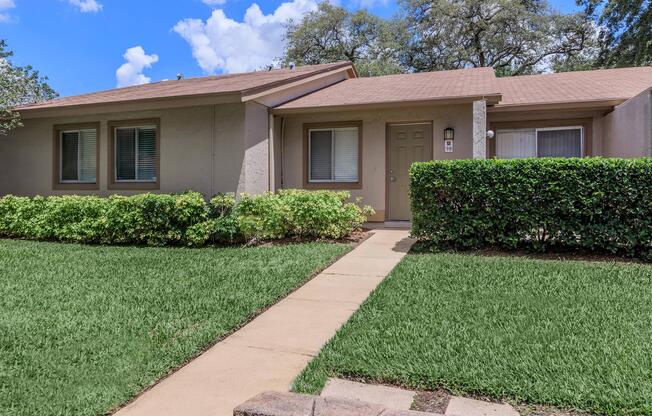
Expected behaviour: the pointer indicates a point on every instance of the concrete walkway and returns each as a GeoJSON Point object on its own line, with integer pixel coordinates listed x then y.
{"type": "Point", "coordinates": [268, 353]}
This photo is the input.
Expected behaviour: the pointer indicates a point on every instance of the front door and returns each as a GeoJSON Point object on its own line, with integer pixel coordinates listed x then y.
{"type": "Point", "coordinates": [408, 143]}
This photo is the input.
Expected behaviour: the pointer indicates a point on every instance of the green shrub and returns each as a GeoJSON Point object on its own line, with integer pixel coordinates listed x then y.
{"type": "Point", "coordinates": [299, 213]}
{"type": "Point", "coordinates": [591, 204]}
{"type": "Point", "coordinates": [184, 219]}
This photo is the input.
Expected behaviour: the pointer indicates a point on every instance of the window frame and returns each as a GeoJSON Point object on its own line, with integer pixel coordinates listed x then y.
{"type": "Point", "coordinates": [134, 184]}
{"type": "Point", "coordinates": [57, 182]}
{"type": "Point", "coordinates": [308, 183]}
{"type": "Point", "coordinates": [580, 128]}
{"type": "Point", "coordinates": [586, 124]}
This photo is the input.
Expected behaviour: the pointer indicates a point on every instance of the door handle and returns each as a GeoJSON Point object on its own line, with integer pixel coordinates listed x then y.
{"type": "Point", "coordinates": [392, 179]}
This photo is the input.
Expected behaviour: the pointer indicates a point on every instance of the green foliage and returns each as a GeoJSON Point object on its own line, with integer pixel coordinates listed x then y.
{"type": "Point", "coordinates": [18, 86]}
{"type": "Point", "coordinates": [588, 204]}
{"type": "Point", "coordinates": [513, 37]}
{"type": "Point", "coordinates": [625, 34]}
{"type": "Point", "coordinates": [564, 333]}
{"type": "Point", "coordinates": [184, 219]}
{"type": "Point", "coordinates": [298, 213]}
{"type": "Point", "coordinates": [89, 327]}
{"type": "Point", "coordinates": [332, 33]}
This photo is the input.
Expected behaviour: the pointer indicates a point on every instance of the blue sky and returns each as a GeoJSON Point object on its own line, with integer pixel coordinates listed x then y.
{"type": "Point", "coordinates": [90, 45]}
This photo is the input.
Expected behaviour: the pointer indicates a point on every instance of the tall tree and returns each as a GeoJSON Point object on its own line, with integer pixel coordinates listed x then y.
{"type": "Point", "coordinates": [512, 36]}
{"type": "Point", "coordinates": [332, 34]}
{"type": "Point", "coordinates": [625, 31]}
{"type": "Point", "coordinates": [18, 86]}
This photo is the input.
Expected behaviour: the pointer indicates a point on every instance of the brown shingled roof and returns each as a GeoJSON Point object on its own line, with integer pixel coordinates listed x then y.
{"type": "Point", "coordinates": [570, 87]}
{"type": "Point", "coordinates": [219, 84]}
{"type": "Point", "coordinates": [402, 88]}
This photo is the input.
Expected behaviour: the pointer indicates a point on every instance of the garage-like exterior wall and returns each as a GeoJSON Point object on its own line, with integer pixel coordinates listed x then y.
{"type": "Point", "coordinates": [205, 148]}
{"type": "Point", "coordinates": [374, 124]}
{"type": "Point", "coordinates": [627, 131]}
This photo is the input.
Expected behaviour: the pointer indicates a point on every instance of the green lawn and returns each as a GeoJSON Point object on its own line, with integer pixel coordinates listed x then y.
{"type": "Point", "coordinates": [570, 334]}
{"type": "Point", "coordinates": [85, 328]}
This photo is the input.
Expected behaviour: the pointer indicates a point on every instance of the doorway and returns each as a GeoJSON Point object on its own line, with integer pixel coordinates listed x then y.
{"type": "Point", "coordinates": [407, 143]}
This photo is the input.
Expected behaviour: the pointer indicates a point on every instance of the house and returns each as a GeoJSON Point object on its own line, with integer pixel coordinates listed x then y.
{"type": "Point", "coordinates": [318, 127]}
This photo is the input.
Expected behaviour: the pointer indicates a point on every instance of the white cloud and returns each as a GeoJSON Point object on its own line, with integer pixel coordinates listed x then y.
{"type": "Point", "coordinates": [131, 72]}
{"type": "Point", "coordinates": [87, 6]}
{"type": "Point", "coordinates": [222, 43]}
{"type": "Point", "coordinates": [4, 6]}
{"type": "Point", "coordinates": [213, 2]}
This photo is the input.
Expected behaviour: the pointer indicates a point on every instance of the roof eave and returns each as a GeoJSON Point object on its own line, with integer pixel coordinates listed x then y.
{"type": "Point", "coordinates": [150, 103]}
{"type": "Point", "coordinates": [490, 98]}
{"type": "Point", "coordinates": [561, 105]}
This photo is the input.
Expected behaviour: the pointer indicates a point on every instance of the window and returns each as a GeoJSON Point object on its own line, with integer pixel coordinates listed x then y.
{"type": "Point", "coordinates": [134, 155]}
{"type": "Point", "coordinates": [76, 156]}
{"type": "Point", "coordinates": [333, 154]}
{"type": "Point", "coordinates": [542, 142]}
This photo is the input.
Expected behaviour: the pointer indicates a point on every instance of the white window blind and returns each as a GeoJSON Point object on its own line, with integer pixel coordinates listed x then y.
{"type": "Point", "coordinates": [135, 154]}
{"type": "Point", "coordinates": [513, 144]}
{"type": "Point", "coordinates": [546, 142]}
{"type": "Point", "coordinates": [78, 156]}
{"type": "Point", "coordinates": [333, 155]}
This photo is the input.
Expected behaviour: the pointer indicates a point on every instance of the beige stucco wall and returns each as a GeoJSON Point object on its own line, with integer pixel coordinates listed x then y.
{"type": "Point", "coordinates": [627, 131]}
{"type": "Point", "coordinates": [205, 148]}
{"type": "Point", "coordinates": [374, 124]}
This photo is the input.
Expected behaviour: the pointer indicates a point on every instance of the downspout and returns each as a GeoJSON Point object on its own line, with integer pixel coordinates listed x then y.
{"type": "Point", "coordinates": [282, 151]}
{"type": "Point", "coordinates": [270, 153]}
{"type": "Point", "coordinates": [213, 153]}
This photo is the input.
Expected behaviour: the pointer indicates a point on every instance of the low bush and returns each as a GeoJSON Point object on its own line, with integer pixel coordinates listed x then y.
{"type": "Point", "coordinates": [183, 219]}
{"type": "Point", "coordinates": [297, 213]}
{"type": "Point", "coordinates": [595, 204]}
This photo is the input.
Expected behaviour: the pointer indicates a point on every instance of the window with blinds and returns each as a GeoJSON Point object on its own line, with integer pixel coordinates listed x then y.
{"type": "Point", "coordinates": [333, 155]}
{"type": "Point", "coordinates": [135, 154]}
{"type": "Point", "coordinates": [78, 156]}
{"type": "Point", "coordinates": [544, 142]}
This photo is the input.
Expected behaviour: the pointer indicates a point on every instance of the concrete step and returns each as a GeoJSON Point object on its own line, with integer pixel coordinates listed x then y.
{"type": "Point", "coordinates": [292, 404]}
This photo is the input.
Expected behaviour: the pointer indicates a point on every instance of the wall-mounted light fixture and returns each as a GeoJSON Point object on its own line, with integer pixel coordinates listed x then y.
{"type": "Point", "coordinates": [449, 134]}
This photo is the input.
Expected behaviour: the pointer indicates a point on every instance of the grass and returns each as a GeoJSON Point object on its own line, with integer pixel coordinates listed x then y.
{"type": "Point", "coordinates": [563, 333]}
{"type": "Point", "coordinates": [85, 328]}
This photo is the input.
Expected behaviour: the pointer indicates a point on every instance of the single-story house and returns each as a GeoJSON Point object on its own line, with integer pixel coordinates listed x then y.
{"type": "Point", "coordinates": [318, 127]}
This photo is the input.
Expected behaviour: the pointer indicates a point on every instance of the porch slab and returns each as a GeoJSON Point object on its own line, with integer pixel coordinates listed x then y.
{"type": "Point", "coordinates": [462, 406]}
{"type": "Point", "coordinates": [390, 397]}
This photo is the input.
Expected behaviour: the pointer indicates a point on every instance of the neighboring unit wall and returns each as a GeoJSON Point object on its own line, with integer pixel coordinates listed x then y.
{"type": "Point", "coordinates": [206, 149]}
{"type": "Point", "coordinates": [374, 123]}
{"type": "Point", "coordinates": [627, 131]}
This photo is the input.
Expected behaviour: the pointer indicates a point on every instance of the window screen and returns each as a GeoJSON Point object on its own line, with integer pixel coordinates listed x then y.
{"type": "Point", "coordinates": [333, 155]}
{"type": "Point", "coordinates": [560, 143]}
{"type": "Point", "coordinates": [78, 156]}
{"type": "Point", "coordinates": [554, 142]}
{"type": "Point", "coordinates": [135, 154]}
{"type": "Point", "coordinates": [512, 144]}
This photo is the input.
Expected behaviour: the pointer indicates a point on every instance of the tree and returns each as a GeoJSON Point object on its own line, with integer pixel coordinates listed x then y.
{"type": "Point", "coordinates": [332, 34]}
{"type": "Point", "coordinates": [625, 31]}
{"type": "Point", "coordinates": [512, 36]}
{"type": "Point", "coordinates": [18, 86]}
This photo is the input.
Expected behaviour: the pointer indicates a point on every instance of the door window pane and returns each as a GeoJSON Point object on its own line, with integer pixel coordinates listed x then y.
{"type": "Point", "coordinates": [513, 144]}
{"type": "Point", "coordinates": [560, 143]}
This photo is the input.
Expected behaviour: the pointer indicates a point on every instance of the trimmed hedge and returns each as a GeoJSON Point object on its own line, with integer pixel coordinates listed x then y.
{"type": "Point", "coordinates": [593, 204]}
{"type": "Point", "coordinates": [183, 219]}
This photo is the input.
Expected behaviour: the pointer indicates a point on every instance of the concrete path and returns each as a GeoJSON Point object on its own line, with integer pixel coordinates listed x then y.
{"type": "Point", "coordinates": [268, 353]}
